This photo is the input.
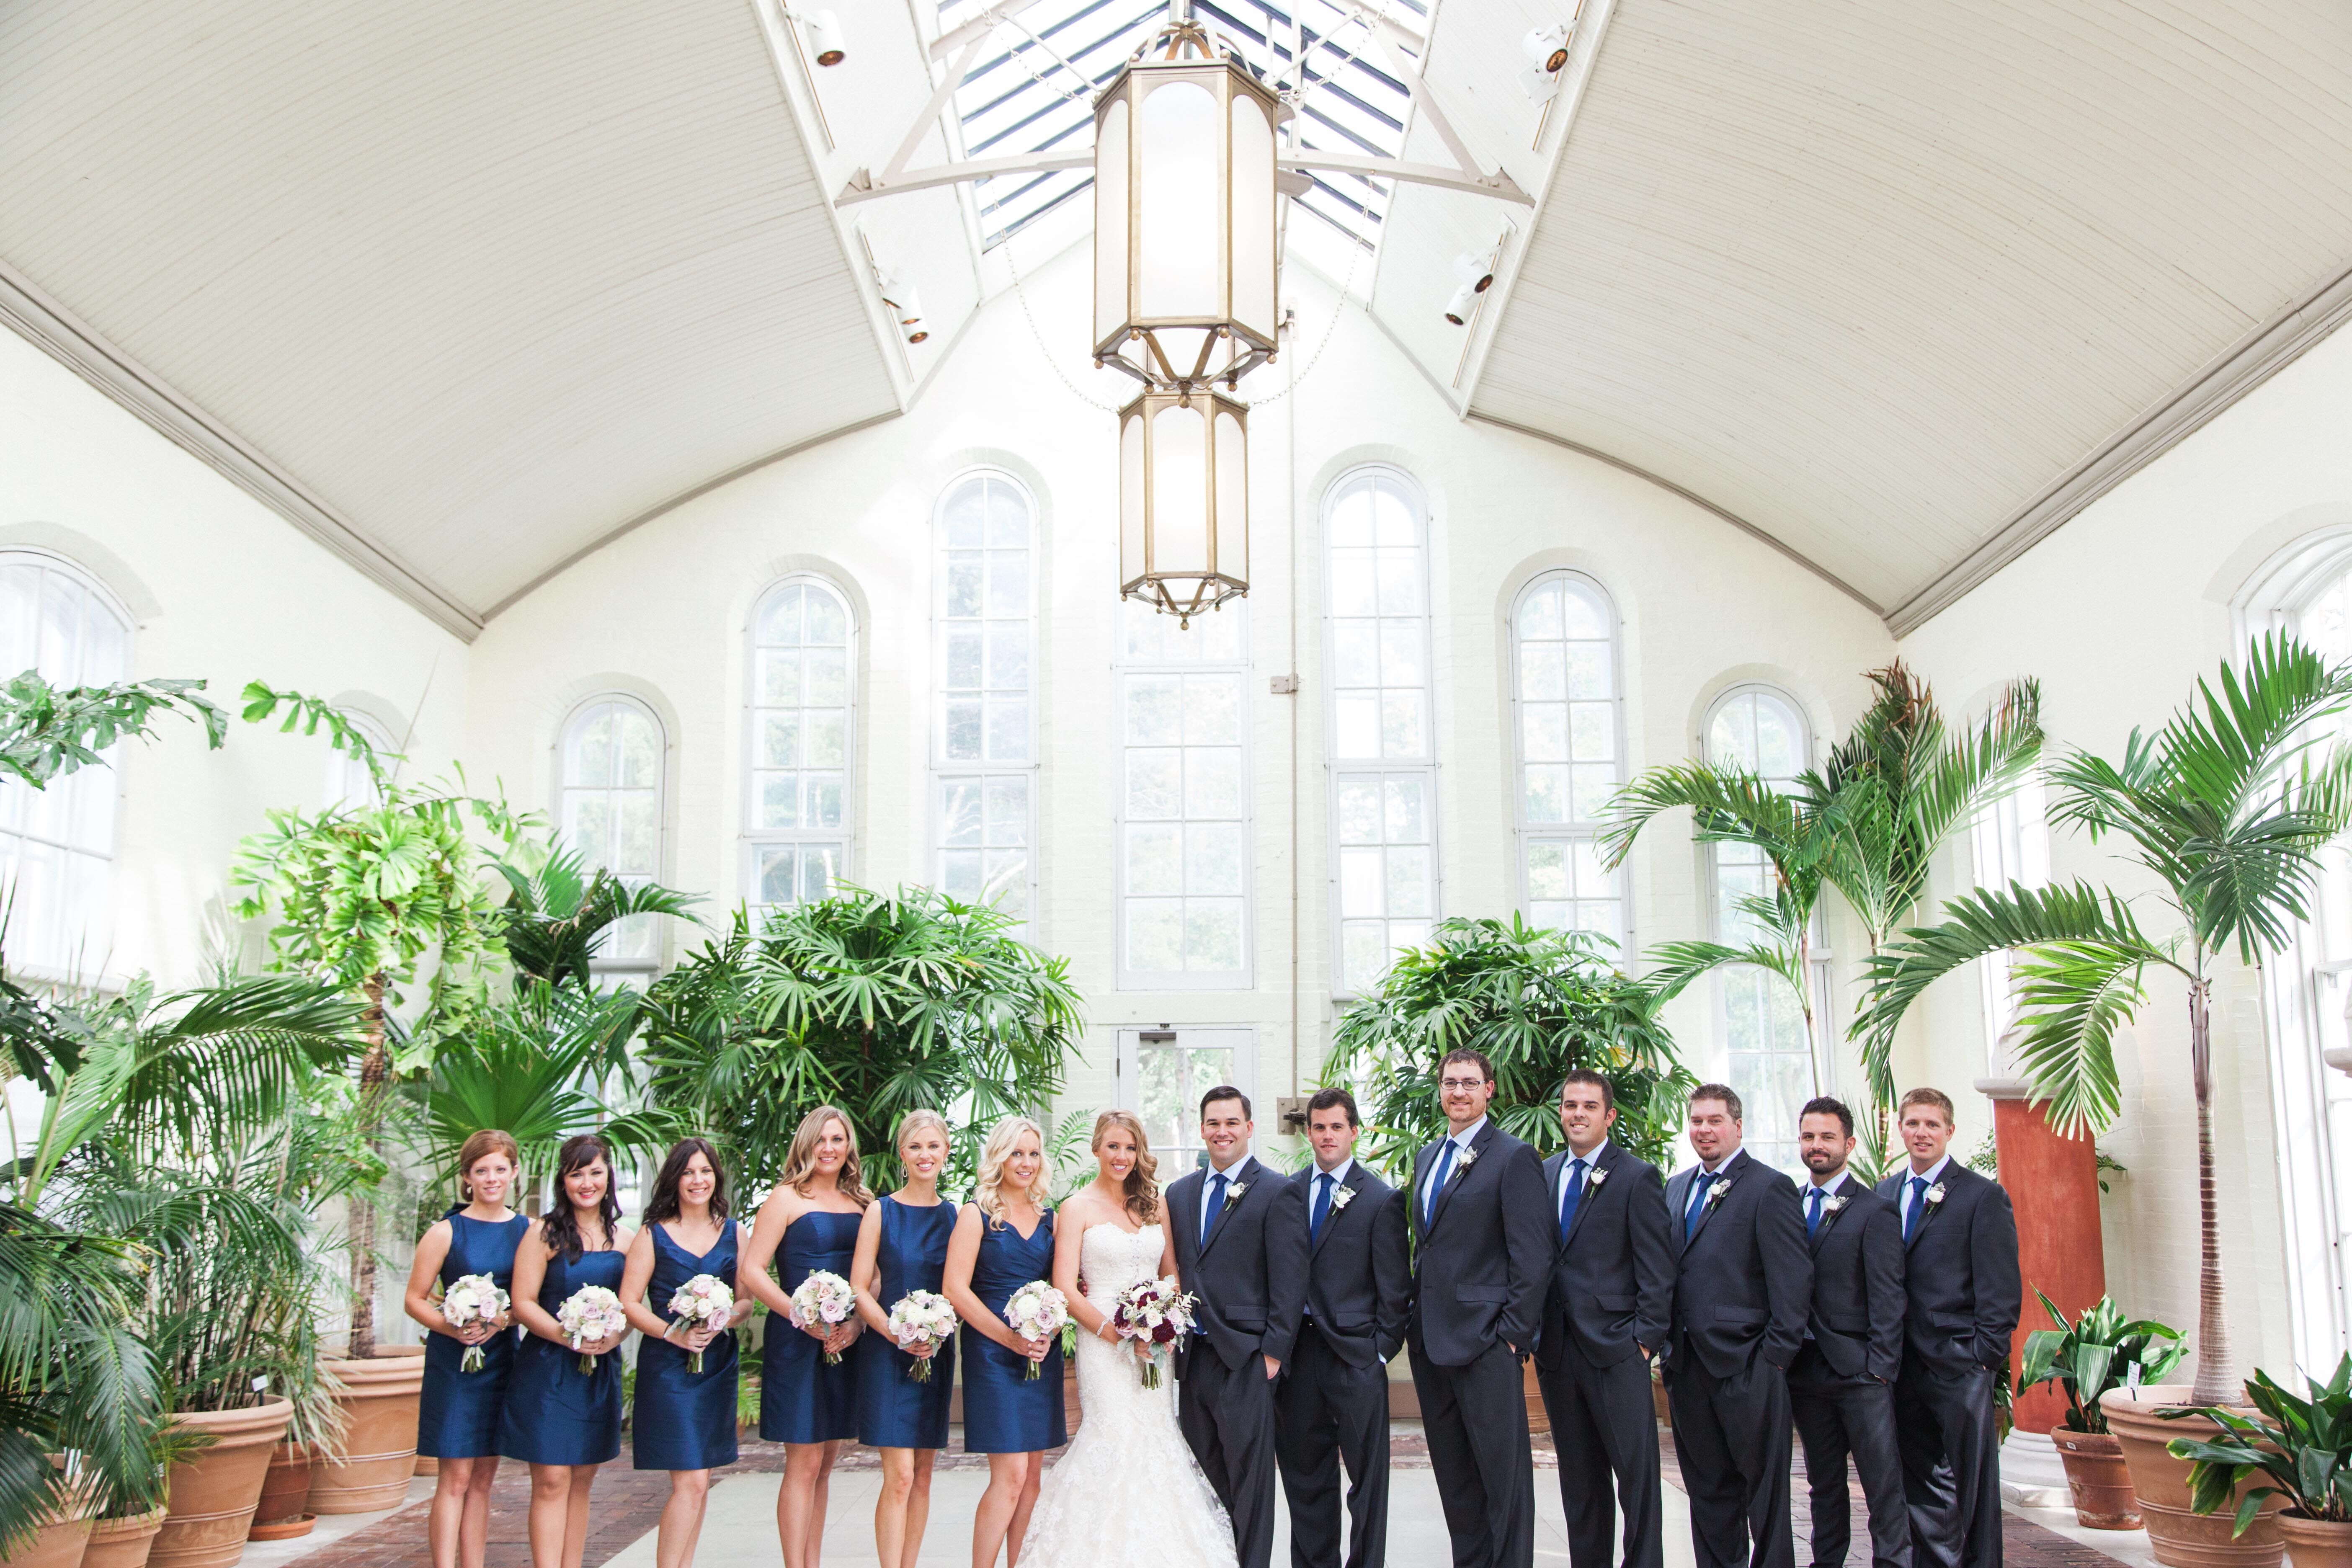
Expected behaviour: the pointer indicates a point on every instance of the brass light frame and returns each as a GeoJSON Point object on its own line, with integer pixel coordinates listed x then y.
{"type": "Point", "coordinates": [1211, 540]}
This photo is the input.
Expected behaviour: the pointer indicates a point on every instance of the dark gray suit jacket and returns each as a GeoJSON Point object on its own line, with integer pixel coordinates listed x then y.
{"type": "Point", "coordinates": [1613, 1284]}
{"type": "Point", "coordinates": [1360, 1271]}
{"type": "Point", "coordinates": [1959, 1271]}
{"type": "Point", "coordinates": [1251, 1278]}
{"type": "Point", "coordinates": [1744, 1283]}
{"type": "Point", "coordinates": [1858, 1301]}
{"type": "Point", "coordinates": [1482, 1252]}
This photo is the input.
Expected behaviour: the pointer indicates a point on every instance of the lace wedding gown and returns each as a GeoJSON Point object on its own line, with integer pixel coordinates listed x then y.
{"type": "Point", "coordinates": [1127, 1492]}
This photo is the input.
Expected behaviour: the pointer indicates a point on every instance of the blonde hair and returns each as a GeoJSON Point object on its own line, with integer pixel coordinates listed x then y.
{"type": "Point", "coordinates": [800, 1160]}
{"type": "Point", "coordinates": [1142, 1191]}
{"type": "Point", "coordinates": [988, 1189]}
{"type": "Point", "coordinates": [915, 1119]}
{"type": "Point", "coordinates": [480, 1146]}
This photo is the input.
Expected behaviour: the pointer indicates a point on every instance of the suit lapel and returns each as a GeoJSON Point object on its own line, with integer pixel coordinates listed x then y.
{"type": "Point", "coordinates": [1829, 1215]}
{"type": "Point", "coordinates": [1239, 1176]}
{"type": "Point", "coordinates": [1331, 1220]}
{"type": "Point", "coordinates": [1413, 1199]}
{"type": "Point", "coordinates": [1722, 1180]}
{"type": "Point", "coordinates": [1927, 1211]}
{"type": "Point", "coordinates": [1462, 1163]}
{"type": "Point", "coordinates": [1678, 1186]}
{"type": "Point", "coordinates": [1584, 1202]}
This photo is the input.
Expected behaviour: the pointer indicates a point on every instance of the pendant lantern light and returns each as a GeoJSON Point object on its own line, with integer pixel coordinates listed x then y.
{"type": "Point", "coordinates": [1183, 500]}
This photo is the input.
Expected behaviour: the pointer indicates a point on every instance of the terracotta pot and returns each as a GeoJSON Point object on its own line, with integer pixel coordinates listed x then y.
{"type": "Point", "coordinates": [2180, 1538]}
{"type": "Point", "coordinates": [210, 1497]}
{"type": "Point", "coordinates": [379, 1447]}
{"type": "Point", "coordinates": [2316, 1543]}
{"type": "Point", "coordinates": [426, 1465]}
{"type": "Point", "coordinates": [286, 1491]}
{"type": "Point", "coordinates": [1539, 1418]}
{"type": "Point", "coordinates": [2100, 1480]}
{"type": "Point", "coordinates": [122, 1542]}
{"type": "Point", "coordinates": [59, 1543]}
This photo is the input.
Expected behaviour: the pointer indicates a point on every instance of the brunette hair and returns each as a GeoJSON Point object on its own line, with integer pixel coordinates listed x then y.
{"type": "Point", "coordinates": [1331, 1099]}
{"type": "Point", "coordinates": [1823, 1105]}
{"type": "Point", "coordinates": [1591, 1079]}
{"type": "Point", "coordinates": [1473, 1058]}
{"type": "Point", "coordinates": [1143, 1191]}
{"type": "Point", "coordinates": [800, 1160]}
{"type": "Point", "coordinates": [560, 1228]}
{"type": "Point", "coordinates": [1225, 1091]}
{"type": "Point", "coordinates": [1935, 1097]}
{"type": "Point", "coordinates": [988, 1188]}
{"type": "Point", "coordinates": [664, 1204]}
{"type": "Point", "coordinates": [480, 1146]}
{"type": "Point", "coordinates": [1722, 1091]}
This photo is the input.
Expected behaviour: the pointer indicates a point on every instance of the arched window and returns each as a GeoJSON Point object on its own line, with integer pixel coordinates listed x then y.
{"type": "Point", "coordinates": [983, 745]}
{"type": "Point", "coordinates": [1763, 731]}
{"type": "Point", "coordinates": [2009, 842]}
{"type": "Point", "coordinates": [1384, 875]}
{"type": "Point", "coordinates": [349, 783]}
{"type": "Point", "coordinates": [57, 845]}
{"type": "Point", "coordinates": [610, 810]}
{"type": "Point", "coordinates": [799, 803]}
{"type": "Point", "coordinates": [1566, 731]}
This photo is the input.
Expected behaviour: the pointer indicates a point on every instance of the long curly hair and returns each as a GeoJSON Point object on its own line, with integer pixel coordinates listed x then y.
{"type": "Point", "coordinates": [1141, 1189]}
{"type": "Point", "coordinates": [562, 1225]}
{"type": "Point", "coordinates": [800, 1160]}
{"type": "Point", "coordinates": [988, 1187]}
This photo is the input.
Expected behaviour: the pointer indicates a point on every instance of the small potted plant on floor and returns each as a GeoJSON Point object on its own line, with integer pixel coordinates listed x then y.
{"type": "Point", "coordinates": [2303, 1446]}
{"type": "Point", "coordinates": [2098, 1350]}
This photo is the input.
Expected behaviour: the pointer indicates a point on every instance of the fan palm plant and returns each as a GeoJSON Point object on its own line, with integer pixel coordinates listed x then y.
{"type": "Point", "coordinates": [2227, 810]}
{"type": "Point", "coordinates": [563, 913]}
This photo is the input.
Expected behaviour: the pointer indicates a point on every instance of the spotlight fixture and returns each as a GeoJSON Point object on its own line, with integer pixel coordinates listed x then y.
{"type": "Point", "coordinates": [825, 38]}
{"type": "Point", "coordinates": [1545, 49]}
{"type": "Point", "coordinates": [1458, 310]}
{"type": "Point", "coordinates": [905, 307]}
{"type": "Point", "coordinates": [1476, 270]}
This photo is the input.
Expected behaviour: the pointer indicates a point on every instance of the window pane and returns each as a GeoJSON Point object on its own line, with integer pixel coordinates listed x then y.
{"type": "Point", "coordinates": [801, 746]}
{"type": "Point", "coordinates": [1183, 847]}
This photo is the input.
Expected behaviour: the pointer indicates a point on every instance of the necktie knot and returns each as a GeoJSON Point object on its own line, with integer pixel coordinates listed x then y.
{"type": "Point", "coordinates": [1918, 1206]}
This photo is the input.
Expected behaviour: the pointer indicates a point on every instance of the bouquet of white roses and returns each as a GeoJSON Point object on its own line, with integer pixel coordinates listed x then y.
{"type": "Point", "coordinates": [1037, 1312]}
{"type": "Point", "coordinates": [921, 1318]}
{"type": "Point", "coordinates": [705, 1302]}
{"type": "Point", "coordinates": [472, 1299]}
{"type": "Point", "coordinates": [1156, 1312]}
{"type": "Point", "coordinates": [823, 1301]}
{"type": "Point", "coordinates": [591, 1315]}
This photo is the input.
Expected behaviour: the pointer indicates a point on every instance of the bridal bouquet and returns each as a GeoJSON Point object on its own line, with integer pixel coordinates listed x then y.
{"type": "Point", "coordinates": [1037, 1312]}
{"type": "Point", "coordinates": [1156, 1312]}
{"type": "Point", "coordinates": [588, 1316]}
{"type": "Point", "coordinates": [472, 1299]}
{"type": "Point", "coordinates": [823, 1301]}
{"type": "Point", "coordinates": [921, 1318]}
{"type": "Point", "coordinates": [705, 1302]}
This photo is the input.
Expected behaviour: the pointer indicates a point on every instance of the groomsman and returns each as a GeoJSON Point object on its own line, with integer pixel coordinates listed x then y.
{"type": "Point", "coordinates": [1741, 1295]}
{"type": "Point", "coordinates": [1241, 1249]}
{"type": "Point", "coordinates": [1604, 1316]}
{"type": "Point", "coordinates": [1841, 1384]}
{"type": "Point", "coordinates": [1333, 1404]}
{"type": "Point", "coordinates": [1960, 1243]}
{"type": "Point", "coordinates": [1482, 1225]}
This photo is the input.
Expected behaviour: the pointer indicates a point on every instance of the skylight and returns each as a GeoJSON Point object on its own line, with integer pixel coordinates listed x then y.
{"type": "Point", "coordinates": [1034, 93]}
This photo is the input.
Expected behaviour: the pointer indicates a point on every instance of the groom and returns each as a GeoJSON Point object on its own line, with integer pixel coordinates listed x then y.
{"type": "Point", "coordinates": [1241, 1249]}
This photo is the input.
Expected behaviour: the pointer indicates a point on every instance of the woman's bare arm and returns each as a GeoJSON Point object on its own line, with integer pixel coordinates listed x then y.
{"type": "Point", "coordinates": [431, 1253]}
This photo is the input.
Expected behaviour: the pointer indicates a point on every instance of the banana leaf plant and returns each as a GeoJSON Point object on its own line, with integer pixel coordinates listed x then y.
{"type": "Point", "coordinates": [2304, 1445]}
{"type": "Point", "coordinates": [2096, 1352]}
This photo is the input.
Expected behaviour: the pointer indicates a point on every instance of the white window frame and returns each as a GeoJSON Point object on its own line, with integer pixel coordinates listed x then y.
{"type": "Point", "coordinates": [751, 840]}
{"type": "Point", "coordinates": [606, 962]}
{"type": "Point", "coordinates": [1527, 836]}
{"type": "Point", "coordinates": [946, 771]}
{"type": "Point", "coordinates": [1339, 769]}
{"type": "Point", "coordinates": [1127, 1073]}
{"type": "Point", "coordinates": [2009, 842]}
{"type": "Point", "coordinates": [349, 785]}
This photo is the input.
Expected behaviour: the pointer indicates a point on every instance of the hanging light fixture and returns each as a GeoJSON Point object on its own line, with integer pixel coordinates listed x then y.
{"type": "Point", "coordinates": [1183, 500]}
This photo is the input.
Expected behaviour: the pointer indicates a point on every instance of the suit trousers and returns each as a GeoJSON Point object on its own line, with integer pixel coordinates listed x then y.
{"type": "Point", "coordinates": [1476, 1418]}
{"type": "Point", "coordinates": [1325, 1412]}
{"type": "Point", "coordinates": [1838, 1417]}
{"type": "Point", "coordinates": [1605, 1425]}
{"type": "Point", "coordinates": [1952, 1466]}
{"type": "Point", "coordinates": [1227, 1416]}
{"type": "Point", "coordinates": [1731, 1436]}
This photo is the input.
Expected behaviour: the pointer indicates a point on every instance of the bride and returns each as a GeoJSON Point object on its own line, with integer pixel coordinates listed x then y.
{"type": "Point", "coordinates": [1127, 1490]}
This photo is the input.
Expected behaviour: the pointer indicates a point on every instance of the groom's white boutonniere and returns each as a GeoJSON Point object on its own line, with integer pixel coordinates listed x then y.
{"type": "Point", "coordinates": [1233, 1193]}
{"type": "Point", "coordinates": [1715, 1193]}
{"type": "Point", "coordinates": [1598, 1177]}
{"type": "Point", "coordinates": [1935, 1195]}
{"type": "Point", "coordinates": [1832, 1205]}
{"type": "Point", "coordinates": [1341, 1197]}
{"type": "Point", "coordinates": [1469, 1158]}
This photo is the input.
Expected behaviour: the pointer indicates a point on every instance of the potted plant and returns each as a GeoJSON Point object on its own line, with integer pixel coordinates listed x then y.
{"type": "Point", "coordinates": [2098, 1350]}
{"type": "Point", "coordinates": [2303, 1446]}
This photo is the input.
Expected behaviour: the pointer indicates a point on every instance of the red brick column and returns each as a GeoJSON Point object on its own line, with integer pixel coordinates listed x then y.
{"type": "Point", "coordinates": [2055, 1184]}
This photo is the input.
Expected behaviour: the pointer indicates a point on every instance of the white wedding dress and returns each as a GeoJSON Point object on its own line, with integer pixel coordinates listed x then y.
{"type": "Point", "coordinates": [1127, 1492]}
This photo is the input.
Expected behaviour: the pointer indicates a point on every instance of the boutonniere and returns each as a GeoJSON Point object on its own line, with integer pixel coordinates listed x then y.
{"type": "Point", "coordinates": [1598, 1177]}
{"type": "Point", "coordinates": [1832, 1205]}
{"type": "Point", "coordinates": [1935, 1195]}
{"type": "Point", "coordinates": [1469, 1158]}
{"type": "Point", "coordinates": [1341, 1197]}
{"type": "Point", "coordinates": [1715, 1193]}
{"type": "Point", "coordinates": [1233, 1193]}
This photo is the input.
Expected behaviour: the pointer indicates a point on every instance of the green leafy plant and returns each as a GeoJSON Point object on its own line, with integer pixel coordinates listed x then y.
{"type": "Point", "coordinates": [1537, 1003]}
{"type": "Point", "coordinates": [48, 732]}
{"type": "Point", "coordinates": [562, 914]}
{"type": "Point", "coordinates": [2304, 1445]}
{"type": "Point", "coordinates": [2098, 1352]}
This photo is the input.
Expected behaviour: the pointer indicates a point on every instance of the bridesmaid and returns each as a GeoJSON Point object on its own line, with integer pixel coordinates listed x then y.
{"type": "Point", "coordinates": [683, 1421]}
{"type": "Point", "coordinates": [814, 1215]}
{"type": "Point", "coordinates": [561, 1421]}
{"type": "Point", "coordinates": [1004, 1239]}
{"type": "Point", "coordinates": [457, 1416]}
{"type": "Point", "coordinates": [902, 1247]}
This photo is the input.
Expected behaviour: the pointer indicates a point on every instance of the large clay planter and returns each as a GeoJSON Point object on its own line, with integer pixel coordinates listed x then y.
{"type": "Point", "coordinates": [59, 1543]}
{"type": "Point", "coordinates": [379, 1446]}
{"type": "Point", "coordinates": [2316, 1543]}
{"type": "Point", "coordinates": [122, 1542]}
{"type": "Point", "coordinates": [286, 1493]}
{"type": "Point", "coordinates": [2100, 1480]}
{"type": "Point", "coordinates": [2180, 1538]}
{"type": "Point", "coordinates": [1539, 1418]}
{"type": "Point", "coordinates": [210, 1497]}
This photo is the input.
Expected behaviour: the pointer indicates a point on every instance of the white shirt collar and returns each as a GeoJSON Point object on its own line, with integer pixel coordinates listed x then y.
{"type": "Point", "coordinates": [1462, 1138]}
{"type": "Point", "coordinates": [1231, 1172]}
{"type": "Point", "coordinates": [1934, 1172]}
{"type": "Point", "coordinates": [1716, 1168]}
{"type": "Point", "coordinates": [1831, 1186]}
{"type": "Point", "coordinates": [1339, 1175]}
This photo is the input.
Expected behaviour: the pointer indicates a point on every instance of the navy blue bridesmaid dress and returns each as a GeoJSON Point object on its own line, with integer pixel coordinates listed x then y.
{"type": "Point", "coordinates": [1004, 1412]}
{"type": "Point", "coordinates": [458, 1415]}
{"type": "Point", "coordinates": [894, 1411]}
{"type": "Point", "coordinates": [684, 1420]}
{"type": "Point", "coordinates": [802, 1399]}
{"type": "Point", "coordinates": [556, 1414]}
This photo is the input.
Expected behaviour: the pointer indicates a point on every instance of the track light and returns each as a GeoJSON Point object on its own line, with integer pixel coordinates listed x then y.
{"type": "Point", "coordinates": [825, 38]}
{"type": "Point", "coordinates": [1476, 270]}
{"type": "Point", "coordinates": [1545, 49]}
{"type": "Point", "coordinates": [1458, 310]}
{"type": "Point", "coordinates": [905, 307]}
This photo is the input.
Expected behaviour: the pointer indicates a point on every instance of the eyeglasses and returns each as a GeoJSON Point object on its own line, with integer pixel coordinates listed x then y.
{"type": "Point", "coordinates": [1464, 1084]}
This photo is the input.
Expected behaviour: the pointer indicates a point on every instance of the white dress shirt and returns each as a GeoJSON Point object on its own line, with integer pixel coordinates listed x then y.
{"type": "Point", "coordinates": [1461, 1142]}
{"type": "Point", "coordinates": [1904, 1195]}
{"type": "Point", "coordinates": [1568, 1169]}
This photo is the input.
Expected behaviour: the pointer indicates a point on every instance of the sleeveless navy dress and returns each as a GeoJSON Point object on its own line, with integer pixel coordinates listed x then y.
{"type": "Point", "coordinates": [457, 1413]}
{"type": "Point", "coordinates": [894, 1411]}
{"type": "Point", "coordinates": [556, 1414]}
{"type": "Point", "coordinates": [682, 1420]}
{"type": "Point", "coordinates": [1003, 1411]}
{"type": "Point", "coordinates": [802, 1399]}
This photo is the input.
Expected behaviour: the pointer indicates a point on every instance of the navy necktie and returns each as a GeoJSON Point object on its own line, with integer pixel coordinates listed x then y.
{"type": "Point", "coordinates": [1215, 1206]}
{"type": "Point", "coordinates": [1322, 1207]}
{"type": "Point", "coordinates": [1437, 1182]}
{"type": "Point", "coordinates": [1918, 1206]}
{"type": "Point", "coordinates": [1814, 1212]}
{"type": "Point", "coordinates": [1575, 1195]}
{"type": "Point", "coordinates": [1699, 1202]}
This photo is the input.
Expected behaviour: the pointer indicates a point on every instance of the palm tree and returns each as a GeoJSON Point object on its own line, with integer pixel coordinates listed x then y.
{"type": "Point", "coordinates": [562, 914]}
{"type": "Point", "coordinates": [2228, 809]}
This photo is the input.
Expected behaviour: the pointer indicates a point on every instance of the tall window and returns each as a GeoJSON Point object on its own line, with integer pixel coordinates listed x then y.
{"type": "Point", "coordinates": [1383, 774]}
{"type": "Point", "coordinates": [349, 783]}
{"type": "Point", "coordinates": [2010, 841]}
{"type": "Point", "coordinates": [798, 835]}
{"type": "Point", "coordinates": [611, 811]}
{"type": "Point", "coordinates": [983, 739]}
{"type": "Point", "coordinates": [57, 845]}
{"type": "Point", "coordinates": [1183, 831]}
{"type": "Point", "coordinates": [1760, 731]}
{"type": "Point", "coordinates": [1570, 755]}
